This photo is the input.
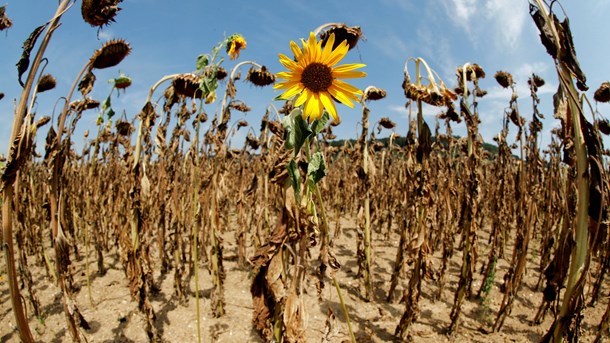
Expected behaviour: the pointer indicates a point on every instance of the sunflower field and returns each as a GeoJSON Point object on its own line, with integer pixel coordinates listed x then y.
{"type": "Point", "coordinates": [160, 229]}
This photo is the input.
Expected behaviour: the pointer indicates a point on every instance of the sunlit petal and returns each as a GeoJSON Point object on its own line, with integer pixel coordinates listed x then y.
{"type": "Point", "coordinates": [329, 105]}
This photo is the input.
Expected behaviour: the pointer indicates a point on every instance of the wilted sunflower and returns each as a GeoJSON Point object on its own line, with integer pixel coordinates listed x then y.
{"type": "Point", "coordinates": [235, 44]}
{"type": "Point", "coordinates": [315, 77]}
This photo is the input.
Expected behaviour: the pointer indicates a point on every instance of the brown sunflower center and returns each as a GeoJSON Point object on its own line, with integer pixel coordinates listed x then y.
{"type": "Point", "coordinates": [317, 77]}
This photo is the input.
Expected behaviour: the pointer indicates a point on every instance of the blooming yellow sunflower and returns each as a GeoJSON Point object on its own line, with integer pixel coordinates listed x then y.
{"type": "Point", "coordinates": [313, 75]}
{"type": "Point", "coordinates": [235, 44]}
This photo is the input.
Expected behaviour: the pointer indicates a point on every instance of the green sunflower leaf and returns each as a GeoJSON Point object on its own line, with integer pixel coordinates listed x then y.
{"type": "Point", "coordinates": [295, 179]}
{"type": "Point", "coordinates": [297, 130]}
{"type": "Point", "coordinates": [202, 61]}
{"type": "Point", "coordinates": [316, 170]}
{"type": "Point", "coordinates": [319, 124]}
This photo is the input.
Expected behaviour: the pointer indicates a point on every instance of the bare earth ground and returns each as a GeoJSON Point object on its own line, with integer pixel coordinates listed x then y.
{"type": "Point", "coordinates": [115, 318]}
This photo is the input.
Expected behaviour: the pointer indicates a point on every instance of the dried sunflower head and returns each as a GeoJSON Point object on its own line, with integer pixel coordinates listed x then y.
{"type": "Point", "coordinates": [385, 122]}
{"type": "Point", "coordinates": [503, 78]}
{"type": "Point", "coordinates": [342, 33]}
{"type": "Point", "coordinates": [240, 106]}
{"type": "Point", "coordinates": [46, 82]}
{"type": "Point", "coordinates": [5, 22]}
{"type": "Point", "coordinates": [111, 54]}
{"type": "Point", "coordinates": [124, 128]}
{"type": "Point", "coordinates": [252, 141]}
{"type": "Point", "coordinates": [260, 77]}
{"type": "Point", "coordinates": [602, 94]}
{"type": "Point", "coordinates": [99, 12]}
{"type": "Point", "coordinates": [374, 93]}
{"type": "Point", "coordinates": [188, 85]}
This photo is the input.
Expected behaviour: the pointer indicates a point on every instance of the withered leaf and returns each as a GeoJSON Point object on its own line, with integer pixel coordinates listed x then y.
{"type": "Point", "coordinates": [568, 53]}
{"type": "Point", "coordinates": [546, 35]}
{"type": "Point", "coordinates": [28, 45]}
{"type": "Point", "coordinates": [86, 83]}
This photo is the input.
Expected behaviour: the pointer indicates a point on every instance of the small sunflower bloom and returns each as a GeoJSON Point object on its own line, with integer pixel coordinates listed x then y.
{"type": "Point", "coordinates": [314, 76]}
{"type": "Point", "coordinates": [235, 44]}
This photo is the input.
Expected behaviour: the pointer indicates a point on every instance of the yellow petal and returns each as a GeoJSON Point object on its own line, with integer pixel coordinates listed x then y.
{"type": "Point", "coordinates": [311, 43]}
{"type": "Point", "coordinates": [349, 74]}
{"type": "Point", "coordinates": [288, 62]}
{"type": "Point", "coordinates": [342, 97]}
{"type": "Point", "coordinates": [291, 76]}
{"type": "Point", "coordinates": [346, 87]}
{"type": "Point", "coordinates": [292, 91]}
{"type": "Point", "coordinates": [329, 105]}
{"type": "Point", "coordinates": [328, 48]}
{"type": "Point", "coordinates": [296, 50]}
{"type": "Point", "coordinates": [348, 67]}
{"type": "Point", "coordinates": [338, 54]}
{"type": "Point", "coordinates": [305, 95]}
{"type": "Point", "coordinates": [313, 107]}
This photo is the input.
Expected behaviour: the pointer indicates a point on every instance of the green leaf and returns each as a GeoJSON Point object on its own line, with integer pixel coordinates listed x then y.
{"type": "Point", "coordinates": [295, 179]}
{"type": "Point", "coordinates": [110, 113]}
{"type": "Point", "coordinates": [316, 170]}
{"type": "Point", "coordinates": [319, 124]}
{"type": "Point", "coordinates": [202, 61]}
{"type": "Point", "coordinates": [106, 104]}
{"type": "Point", "coordinates": [297, 130]}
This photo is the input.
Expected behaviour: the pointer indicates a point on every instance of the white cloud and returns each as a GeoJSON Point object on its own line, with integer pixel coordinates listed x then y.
{"type": "Point", "coordinates": [105, 35]}
{"type": "Point", "coordinates": [465, 8]}
{"type": "Point", "coordinates": [403, 112]}
{"type": "Point", "coordinates": [500, 20]}
{"type": "Point", "coordinates": [508, 20]}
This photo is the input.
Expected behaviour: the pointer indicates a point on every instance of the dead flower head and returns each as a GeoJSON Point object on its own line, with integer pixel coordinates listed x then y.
{"type": "Point", "coordinates": [504, 79]}
{"type": "Point", "coordinates": [374, 93]}
{"type": "Point", "coordinates": [5, 22]}
{"type": "Point", "coordinates": [99, 12]}
{"type": "Point", "coordinates": [260, 76]}
{"type": "Point", "coordinates": [386, 123]}
{"type": "Point", "coordinates": [602, 94]}
{"type": "Point", "coordinates": [535, 81]}
{"type": "Point", "coordinates": [46, 82]}
{"type": "Point", "coordinates": [187, 85]}
{"type": "Point", "coordinates": [111, 54]}
{"type": "Point", "coordinates": [124, 128]}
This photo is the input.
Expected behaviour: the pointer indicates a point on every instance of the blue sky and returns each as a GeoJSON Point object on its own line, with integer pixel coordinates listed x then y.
{"type": "Point", "coordinates": [166, 39]}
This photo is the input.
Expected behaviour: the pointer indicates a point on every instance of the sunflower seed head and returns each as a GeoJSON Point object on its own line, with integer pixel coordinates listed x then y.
{"type": "Point", "coordinates": [99, 12]}
{"type": "Point", "coordinates": [504, 79]}
{"type": "Point", "coordinates": [260, 77]}
{"type": "Point", "coordinates": [187, 85]}
{"type": "Point", "coordinates": [5, 22]}
{"type": "Point", "coordinates": [602, 94]}
{"type": "Point", "coordinates": [46, 82]}
{"type": "Point", "coordinates": [374, 93]}
{"type": "Point", "coordinates": [111, 54]}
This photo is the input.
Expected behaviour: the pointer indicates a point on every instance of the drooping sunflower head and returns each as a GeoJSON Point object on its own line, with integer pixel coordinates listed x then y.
{"type": "Point", "coordinates": [235, 44]}
{"type": "Point", "coordinates": [110, 54]}
{"type": "Point", "coordinates": [314, 76]}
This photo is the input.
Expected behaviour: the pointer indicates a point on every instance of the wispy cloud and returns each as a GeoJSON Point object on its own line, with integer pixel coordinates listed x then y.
{"type": "Point", "coordinates": [401, 111]}
{"type": "Point", "coordinates": [491, 18]}
{"type": "Point", "coordinates": [508, 22]}
{"type": "Point", "coordinates": [106, 35]}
